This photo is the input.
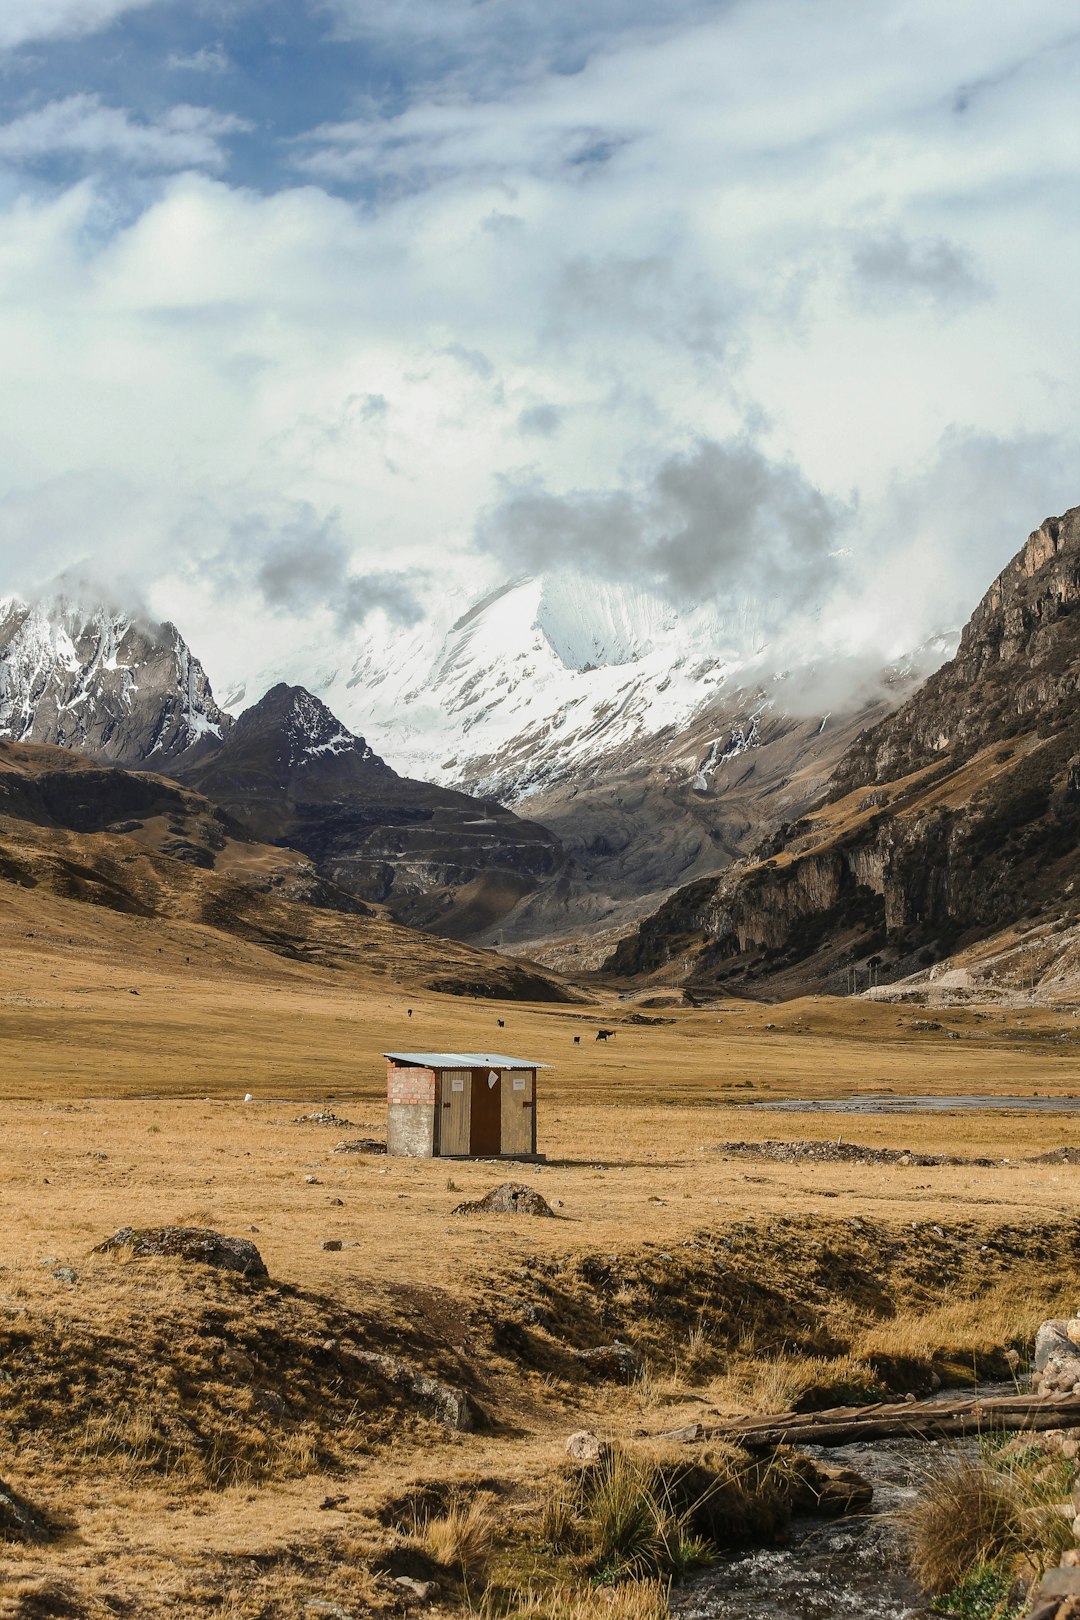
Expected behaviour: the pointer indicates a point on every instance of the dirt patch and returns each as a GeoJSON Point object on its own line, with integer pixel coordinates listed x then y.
{"type": "Point", "coordinates": [818, 1152]}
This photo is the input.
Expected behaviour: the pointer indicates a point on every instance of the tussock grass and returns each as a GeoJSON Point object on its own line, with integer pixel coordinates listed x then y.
{"type": "Point", "coordinates": [642, 1514]}
{"type": "Point", "coordinates": [976, 1516]}
{"type": "Point", "coordinates": [461, 1540]}
{"type": "Point", "coordinates": [630, 1600]}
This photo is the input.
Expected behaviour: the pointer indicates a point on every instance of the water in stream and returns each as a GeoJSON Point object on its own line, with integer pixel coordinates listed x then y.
{"type": "Point", "coordinates": [834, 1569]}
{"type": "Point", "coordinates": [829, 1568]}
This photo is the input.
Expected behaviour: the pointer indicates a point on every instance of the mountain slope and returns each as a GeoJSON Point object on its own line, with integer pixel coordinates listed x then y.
{"type": "Point", "coordinates": [655, 745]}
{"type": "Point", "coordinates": [129, 692]}
{"type": "Point", "coordinates": [950, 821]}
{"type": "Point", "coordinates": [290, 773]}
{"type": "Point", "coordinates": [76, 836]}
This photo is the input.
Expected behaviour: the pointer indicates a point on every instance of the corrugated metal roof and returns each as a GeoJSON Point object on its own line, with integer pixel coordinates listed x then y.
{"type": "Point", "coordinates": [464, 1060]}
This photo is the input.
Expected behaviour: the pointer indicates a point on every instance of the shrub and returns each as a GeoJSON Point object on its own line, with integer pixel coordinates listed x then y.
{"type": "Point", "coordinates": [462, 1539]}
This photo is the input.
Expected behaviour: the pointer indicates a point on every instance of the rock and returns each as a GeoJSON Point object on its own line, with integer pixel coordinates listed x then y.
{"type": "Point", "coordinates": [618, 1362]}
{"type": "Point", "coordinates": [585, 1447]}
{"type": "Point", "coordinates": [1058, 1375]}
{"type": "Point", "coordinates": [332, 1245]}
{"type": "Point", "coordinates": [248, 1097]}
{"type": "Point", "coordinates": [1053, 1339]}
{"type": "Point", "coordinates": [838, 1490]}
{"type": "Point", "coordinates": [312, 1181]}
{"type": "Point", "coordinates": [361, 1144]}
{"type": "Point", "coordinates": [512, 1198]}
{"type": "Point", "coordinates": [65, 1274]}
{"type": "Point", "coordinates": [420, 1591]}
{"type": "Point", "coordinates": [1057, 1596]}
{"type": "Point", "coordinates": [443, 1401]}
{"type": "Point", "coordinates": [237, 1362]}
{"type": "Point", "coordinates": [333, 1610]}
{"type": "Point", "coordinates": [188, 1243]}
{"type": "Point", "coordinates": [19, 1521]}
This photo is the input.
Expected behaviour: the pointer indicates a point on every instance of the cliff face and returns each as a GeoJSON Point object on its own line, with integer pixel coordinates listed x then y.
{"type": "Point", "coordinates": [954, 818]}
{"type": "Point", "coordinates": [1018, 660]}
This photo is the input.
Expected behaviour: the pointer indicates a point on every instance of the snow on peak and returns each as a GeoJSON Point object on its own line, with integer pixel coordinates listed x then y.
{"type": "Point", "coordinates": [87, 675]}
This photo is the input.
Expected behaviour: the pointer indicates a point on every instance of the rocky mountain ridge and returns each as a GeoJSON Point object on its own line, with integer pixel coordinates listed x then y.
{"type": "Point", "coordinates": [126, 691]}
{"type": "Point", "coordinates": [107, 683]}
{"type": "Point", "coordinates": [954, 818]}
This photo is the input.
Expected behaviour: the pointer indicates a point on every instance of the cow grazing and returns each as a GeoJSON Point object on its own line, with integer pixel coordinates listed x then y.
{"type": "Point", "coordinates": [577, 1040]}
{"type": "Point", "coordinates": [605, 1034]}
{"type": "Point", "coordinates": [501, 1022]}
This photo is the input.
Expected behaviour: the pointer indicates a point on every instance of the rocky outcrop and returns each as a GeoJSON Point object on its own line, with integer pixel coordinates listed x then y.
{"type": "Point", "coordinates": [512, 1198]}
{"type": "Point", "coordinates": [952, 819]}
{"type": "Point", "coordinates": [190, 1243]}
{"type": "Point", "coordinates": [106, 682]}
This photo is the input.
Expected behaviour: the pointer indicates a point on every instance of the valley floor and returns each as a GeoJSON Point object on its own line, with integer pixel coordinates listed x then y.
{"type": "Point", "coordinates": [208, 1445]}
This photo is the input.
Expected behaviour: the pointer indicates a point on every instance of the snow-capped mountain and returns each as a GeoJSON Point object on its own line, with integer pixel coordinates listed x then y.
{"type": "Point", "coordinates": [532, 683]}
{"type": "Point", "coordinates": [90, 677]}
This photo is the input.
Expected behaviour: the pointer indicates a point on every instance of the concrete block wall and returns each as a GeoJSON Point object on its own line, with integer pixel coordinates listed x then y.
{"type": "Point", "coordinates": [410, 1112]}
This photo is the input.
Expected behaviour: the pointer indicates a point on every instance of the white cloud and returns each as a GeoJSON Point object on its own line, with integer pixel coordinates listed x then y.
{"type": "Point", "coordinates": [25, 20]}
{"type": "Point", "coordinates": [773, 228]}
{"type": "Point", "coordinates": [207, 59]}
{"type": "Point", "coordinates": [84, 127]}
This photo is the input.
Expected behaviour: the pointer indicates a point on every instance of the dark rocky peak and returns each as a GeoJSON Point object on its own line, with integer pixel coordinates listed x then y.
{"type": "Point", "coordinates": [300, 729]}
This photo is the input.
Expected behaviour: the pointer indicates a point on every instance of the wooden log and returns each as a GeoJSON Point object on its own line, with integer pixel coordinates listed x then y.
{"type": "Point", "coordinates": [917, 1420]}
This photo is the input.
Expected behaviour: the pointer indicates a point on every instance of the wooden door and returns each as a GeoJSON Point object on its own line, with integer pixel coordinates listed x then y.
{"type": "Point", "coordinates": [517, 1110]}
{"type": "Point", "coordinates": [454, 1112]}
{"type": "Point", "coordinates": [485, 1129]}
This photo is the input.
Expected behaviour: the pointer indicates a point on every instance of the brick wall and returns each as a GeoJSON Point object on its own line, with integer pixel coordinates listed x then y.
{"type": "Point", "coordinates": [410, 1085]}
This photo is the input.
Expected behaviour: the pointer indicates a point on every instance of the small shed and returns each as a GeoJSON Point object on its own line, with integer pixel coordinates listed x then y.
{"type": "Point", "coordinates": [460, 1105]}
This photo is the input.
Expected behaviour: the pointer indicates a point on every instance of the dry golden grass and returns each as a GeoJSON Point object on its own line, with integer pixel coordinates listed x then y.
{"type": "Point", "coordinates": [127, 1109]}
{"type": "Point", "coordinates": [462, 1539]}
{"type": "Point", "coordinates": [629, 1600]}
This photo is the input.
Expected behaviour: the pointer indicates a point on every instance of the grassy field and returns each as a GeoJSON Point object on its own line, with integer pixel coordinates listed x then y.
{"type": "Point", "coordinates": [190, 1431]}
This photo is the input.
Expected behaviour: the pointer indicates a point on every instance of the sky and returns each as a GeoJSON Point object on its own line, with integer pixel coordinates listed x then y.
{"type": "Point", "coordinates": [320, 315]}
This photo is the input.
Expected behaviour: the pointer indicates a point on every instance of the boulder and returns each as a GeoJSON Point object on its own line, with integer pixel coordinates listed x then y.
{"type": "Point", "coordinates": [1054, 1339]}
{"type": "Point", "coordinates": [417, 1591]}
{"type": "Point", "coordinates": [512, 1198]}
{"type": "Point", "coordinates": [445, 1402]}
{"type": "Point", "coordinates": [188, 1243]}
{"type": "Point", "coordinates": [585, 1447]}
{"type": "Point", "coordinates": [19, 1521]}
{"type": "Point", "coordinates": [618, 1362]}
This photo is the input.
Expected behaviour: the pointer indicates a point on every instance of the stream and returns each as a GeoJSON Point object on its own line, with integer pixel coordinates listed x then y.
{"type": "Point", "coordinates": [830, 1569]}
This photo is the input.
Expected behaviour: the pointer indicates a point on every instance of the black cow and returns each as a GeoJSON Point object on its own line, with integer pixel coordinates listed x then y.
{"type": "Point", "coordinates": [605, 1034]}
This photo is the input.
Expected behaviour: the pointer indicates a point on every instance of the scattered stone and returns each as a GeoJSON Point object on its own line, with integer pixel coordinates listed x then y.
{"type": "Point", "coordinates": [924, 1024]}
{"type": "Point", "coordinates": [585, 1447]}
{"type": "Point", "coordinates": [618, 1362]}
{"type": "Point", "coordinates": [1060, 1376]}
{"type": "Point", "coordinates": [361, 1144]}
{"type": "Point", "coordinates": [421, 1591]}
{"type": "Point", "coordinates": [195, 1243]}
{"type": "Point", "coordinates": [445, 1402]}
{"type": "Point", "coordinates": [248, 1097]}
{"type": "Point", "coordinates": [338, 1203]}
{"type": "Point", "coordinates": [333, 1610]}
{"type": "Point", "coordinates": [331, 1245]}
{"type": "Point", "coordinates": [838, 1490]}
{"type": "Point", "coordinates": [66, 1274]}
{"type": "Point", "coordinates": [324, 1116]}
{"type": "Point", "coordinates": [844, 1153]}
{"type": "Point", "coordinates": [512, 1198]}
{"type": "Point", "coordinates": [19, 1521]}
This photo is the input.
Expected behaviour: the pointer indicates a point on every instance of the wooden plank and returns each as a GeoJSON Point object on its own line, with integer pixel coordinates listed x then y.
{"type": "Point", "coordinates": [922, 1420]}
